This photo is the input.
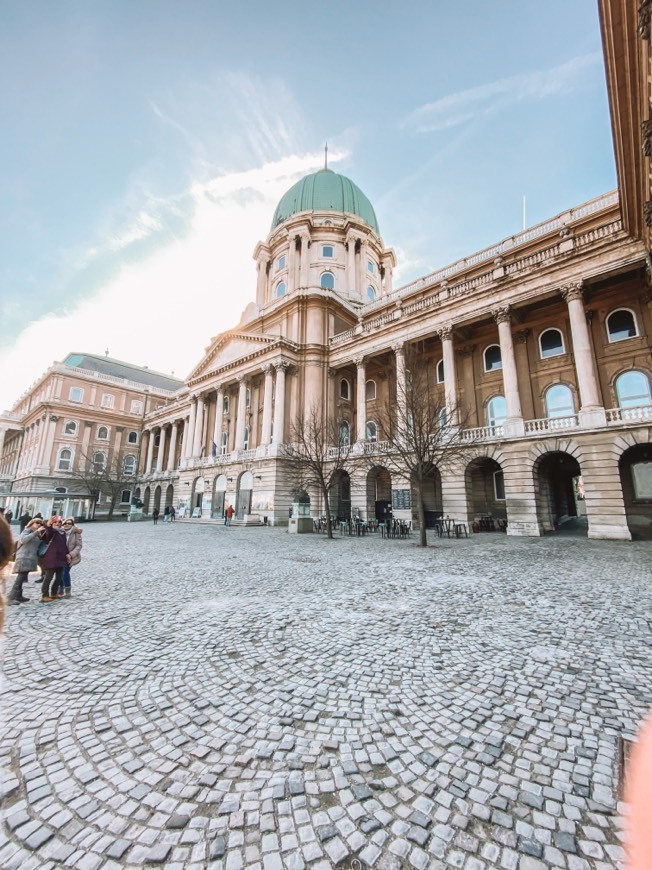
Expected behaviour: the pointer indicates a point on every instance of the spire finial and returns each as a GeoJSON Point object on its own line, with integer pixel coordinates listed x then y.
{"type": "Point", "coordinates": [326, 156]}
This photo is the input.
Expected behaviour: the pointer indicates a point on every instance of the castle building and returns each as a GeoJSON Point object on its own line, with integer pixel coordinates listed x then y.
{"type": "Point", "coordinates": [542, 339]}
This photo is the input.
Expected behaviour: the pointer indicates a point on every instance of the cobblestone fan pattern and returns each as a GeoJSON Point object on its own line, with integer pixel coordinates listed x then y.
{"type": "Point", "coordinates": [226, 698]}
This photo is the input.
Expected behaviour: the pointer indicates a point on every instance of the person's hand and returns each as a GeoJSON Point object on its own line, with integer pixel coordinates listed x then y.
{"type": "Point", "coordinates": [68, 557]}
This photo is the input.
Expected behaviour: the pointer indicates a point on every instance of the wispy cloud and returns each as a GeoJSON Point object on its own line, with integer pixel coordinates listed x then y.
{"type": "Point", "coordinates": [457, 109]}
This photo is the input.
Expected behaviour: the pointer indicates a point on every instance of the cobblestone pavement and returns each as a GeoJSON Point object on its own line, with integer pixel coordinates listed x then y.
{"type": "Point", "coordinates": [226, 698]}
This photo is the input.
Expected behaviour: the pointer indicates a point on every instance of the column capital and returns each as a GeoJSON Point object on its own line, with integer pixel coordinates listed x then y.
{"type": "Point", "coordinates": [399, 347]}
{"type": "Point", "coordinates": [572, 291]}
{"type": "Point", "coordinates": [644, 26]}
{"type": "Point", "coordinates": [359, 361]}
{"type": "Point", "coordinates": [268, 369]}
{"type": "Point", "coordinates": [282, 365]}
{"type": "Point", "coordinates": [502, 314]}
{"type": "Point", "coordinates": [521, 336]}
{"type": "Point", "coordinates": [244, 379]}
{"type": "Point", "coordinates": [446, 332]}
{"type": "Point", "coordinates": [55, 419]}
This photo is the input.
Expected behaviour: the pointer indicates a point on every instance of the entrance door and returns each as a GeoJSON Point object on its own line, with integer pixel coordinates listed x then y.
{"type": "Point", "coordinates": [218, 505]}
{"type": "Point", "coordinates": [244, 503]}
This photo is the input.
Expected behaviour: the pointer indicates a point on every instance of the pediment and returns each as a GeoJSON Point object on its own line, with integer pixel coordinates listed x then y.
{"type": "Point", "coordinates": [227, 349]}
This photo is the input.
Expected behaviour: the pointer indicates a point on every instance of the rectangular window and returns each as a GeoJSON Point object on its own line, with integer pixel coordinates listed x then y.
{"type": "Point", "coordinates": [108, 400]}
{"type": "Point", "coordinates": [125, 498]}
{"type": "Point", "coordinates": [370, 267]}
{"type": "Point", "coordinates": [280, 263]}
{"type": "Point", "coordinates": [327, 251]}
{"type": "Point", "coordinates": [76, 394]}
{"type": "Point", "coordinates": [136, 407]}
{"type": "Point", "coordinates": [499, 486]}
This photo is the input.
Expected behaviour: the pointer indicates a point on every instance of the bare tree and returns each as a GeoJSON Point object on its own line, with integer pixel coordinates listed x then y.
{"type": "Point", "coordinates": [420, 432]}
{"type": "Point", "coordinates": [109, 477]}
{"type": "Point", "coordinates": [317, 455]}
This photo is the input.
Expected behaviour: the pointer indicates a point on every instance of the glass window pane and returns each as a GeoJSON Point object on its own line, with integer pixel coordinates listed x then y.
{"type": "Point", "coordinates": [633, 390]}
{"type": "Point", "coordinates": [496, 411]}
{"type": "Point", "coordinates": [551, 343]}
{"type": "Point", "coordinates": [492, 358]}
{"type": "Point", "coordinates": [327, 251]}
{"type": "Point", "coordinates": [327, 281]}
{"type": "Point", "coordinates": [620, 324]}
{"type": "Point", "coordinates": [559, 401]}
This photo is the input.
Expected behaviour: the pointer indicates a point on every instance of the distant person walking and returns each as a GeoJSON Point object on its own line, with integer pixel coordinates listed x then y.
{"type": "Point", "coordinates": [74, 541]}
{"type": "Point", "coordinates": [155, 514]}
{"type": "Point", "coordinates": [173, 514]}
{"type": "Point", "coordinates": [228, 515]}
{"type": "Point", "coordinates": [26, 559]}
{"type": "Point", "coordinates": [166, 514]}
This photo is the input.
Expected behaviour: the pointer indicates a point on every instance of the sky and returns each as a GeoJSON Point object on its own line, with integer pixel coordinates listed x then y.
{"type": "Point", "coordinates": [147, 142]}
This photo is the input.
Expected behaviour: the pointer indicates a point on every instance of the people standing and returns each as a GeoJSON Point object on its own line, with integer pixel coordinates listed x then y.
{"type": "Point", "coordinates": [26, 559]}
{"type": "Point", "coordinates": [228, 515]}
{"type": "Point", "coordinates": [74, 541]}
{"type": "Point", "coordinates": [54, 560]}
{"type": "Point", "coordinates": [9, 515]}
{"type": "Point", "coordinates": [173, 514]}
{"type": "Point", "coordinates": [155, 514]}
{"type": "Point", "coordinates": [166, 514]}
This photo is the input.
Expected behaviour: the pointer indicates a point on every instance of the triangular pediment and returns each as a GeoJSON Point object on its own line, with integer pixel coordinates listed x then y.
{"type": "Point", "coordinates": [228, 348]}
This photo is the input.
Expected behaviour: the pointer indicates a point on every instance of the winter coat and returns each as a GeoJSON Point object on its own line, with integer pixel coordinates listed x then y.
{"type": "Point", "coordinates": [74, 541]}
{"type": "Point", "coordinates": [26, 548]}
{"type": "Point", "coordinates": [57, 551]}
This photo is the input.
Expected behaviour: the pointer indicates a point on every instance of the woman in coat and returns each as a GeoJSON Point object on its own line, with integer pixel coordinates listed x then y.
{"type": "Point", "coordinates": [55, 559]}
{"type": "Point", "coordinates": [26, 559]}
{"type": "Point", "coordinates": [74, 540]}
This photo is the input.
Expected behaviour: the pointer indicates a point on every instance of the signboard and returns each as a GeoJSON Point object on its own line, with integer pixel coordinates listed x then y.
{"type": "Point", "coordinates": [401, 499]}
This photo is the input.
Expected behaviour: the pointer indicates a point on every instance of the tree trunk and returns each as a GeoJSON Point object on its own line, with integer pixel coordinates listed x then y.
{"type": "Point", "coordinates": [421, 514]}
{"type": "Point", "coordinates": [327, 505]}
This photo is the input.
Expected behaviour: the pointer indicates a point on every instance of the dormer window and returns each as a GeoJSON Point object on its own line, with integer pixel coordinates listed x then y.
{"type": "Point", "coordinates": [327, 251]}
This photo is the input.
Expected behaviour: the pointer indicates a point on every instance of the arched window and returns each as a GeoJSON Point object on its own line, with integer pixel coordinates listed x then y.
{"type": "Point", "coordinates": [440, 371]}
{"type": "Point", "coordinates": [493, 361]}
{"type": "Point", "coordinates": [70, 428]}
{"type": "Point", "coordinates": [225, 405]}
{"type": "Point", "coordinates": [551, 343]}
{"type": "Point", "coordinates": [496, 411]}
{"type": "Point", "coordinates": [132, 438]}
{"type": "Point", "coordinates": [280, 288]}
{"type": "Point", "coordinates": [99, 462]}
{"type": "Point", "coordinates": [129, 464]}
{"type": "Point", "coordinates": [345, 389]}
{"type": "Point", "coordinates": [370, 391]}
{"type": "Point", "coordinates": [280, 263]}
{"type": "Point", "coordinates": [559, 401]}
{"type": "Point", "coordinates": [621, 324]}
{"type": "Point", "coordinates": [103, 433]}
{"type": "Point", "coordinates": [345, 434]}
{"type": "Point", "coordinates": [633, 390]}
{"type": "Point", "coordinates": [64, 461]}
{"type": "Point", "coordinates": [246, 438]}
{"type": "Point", "coordinates": [327, 281]}
{"type": "Point", "coordinates": [371, 294]}
{"type": "Point", "coordinates": [223, 443]}
{"type": "Point", "coordinates": [372, 431]}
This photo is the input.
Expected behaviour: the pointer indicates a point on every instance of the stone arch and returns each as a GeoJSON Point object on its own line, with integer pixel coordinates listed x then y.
{"type": "Point", "coordinates": [243, 494]}
{"type": "Point", "coordinates": [157, 498]}
{"type": "Point", "coordinates": [339, 496]}
{"type": "Point", "coordinates": [219, 494]}
{"type": "Point", "coordinates": [169, 495]}
{"type": "Point", "coordinates": [379, 492]}
{"type": "Point", "coordinates": [634, 450]}
{"type": "Point", "coordinates": [197, 496]}
{"type": "Point", "coordinates": [146, 498]}
{"type": "Point", "coordinates": [484, 485]}
{"type": "Point", "coordinates": [558, 483]}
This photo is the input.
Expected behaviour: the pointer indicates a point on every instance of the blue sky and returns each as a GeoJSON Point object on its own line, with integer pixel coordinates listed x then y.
{"type": "Point", "coordinates": [148, 141]}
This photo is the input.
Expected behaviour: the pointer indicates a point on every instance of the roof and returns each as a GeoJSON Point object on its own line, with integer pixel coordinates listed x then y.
{"type": "Point", "coordinates": [325, 191]}
{"type": "Point", "coordinates": [118, 369]}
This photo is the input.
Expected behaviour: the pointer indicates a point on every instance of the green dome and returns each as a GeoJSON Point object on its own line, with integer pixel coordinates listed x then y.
{"type": "Point", "coordinates": [325, 191]}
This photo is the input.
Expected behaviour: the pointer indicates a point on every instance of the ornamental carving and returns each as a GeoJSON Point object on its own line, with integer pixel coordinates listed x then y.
{"type": "Point", "coordinates": [503, 314]}
{"type": "Point", "coordinates": [644, 19]}
{"type": "Point", "coordinates": [399, 348]}
{"type": "Point", "coordinates": [466, 350]}
{"type": "Point", "coordinates": [646, 137]}
{"type": "Point", "coordinates": [446, 332]}
{"type": "Point", "coordinates": [521, 336]}
{"type": "Point", "coordinates": [359, 361]}
{"type": "Point", "coordinates": [571, 292]}
{"type": "Point", "coordinates": [647, 213]}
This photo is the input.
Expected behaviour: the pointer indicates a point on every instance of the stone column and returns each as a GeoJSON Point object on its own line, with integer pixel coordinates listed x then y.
{"type": "Point", "coordinates": [350, 267]}
{"type": "Point", "coordinates": [362, 271]}
{"type": "Point", "coordinates": [279, 402]}
{"type": "Point", "coordinates": [450, 375]}
{"type": "Point", "coordinates": [117, 446]}
{"type": "Point", "coordinates": [361, 400]}
{"type": "Point", "coordinates": [85, 460]}
{"type": "Point", "coordinates": [401, 386]}
{"type": "Point", "coordinates": [514, 423]}
{"type": "Point", "coordinates": [241, 418]}
{"type": "Point", "coordinates": [261, 282]}
{"type": "Point", "coordinates": [266, 429]}
{"type": "Point", "coordinates": [591, 409]}
{"type": "Point", "coordinates": [199, 427]}
{"type": "Point", "coordinates": [292, 264]}
{"type": "Point", "coordinates": [184, 438]}
{"type": "Point", "coordinates": [219, 418]}
{"type": "Point", "coordinates": [161, 450]}
{"type": "Point", "coordinates": [305, 254]}
{"type": "Point", "coordinates": [190, 434]}
{"type": "Point", "coordinates": [174, 435]}
{"type": "Point", "coordinates": [388, 277]}
{"type": "Point", "coordinates": [150, 452]}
